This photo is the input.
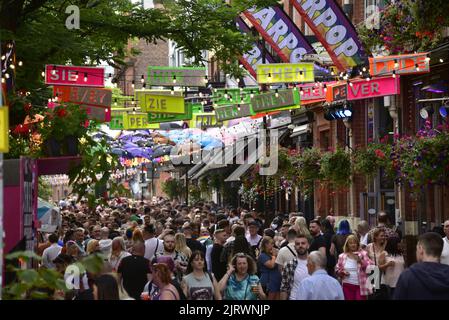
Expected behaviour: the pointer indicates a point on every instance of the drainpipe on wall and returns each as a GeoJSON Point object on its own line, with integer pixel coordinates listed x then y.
{"type": "Point", "coordinates": [391, 103]}
{"type": "Point", "coordinates": [351, 195]}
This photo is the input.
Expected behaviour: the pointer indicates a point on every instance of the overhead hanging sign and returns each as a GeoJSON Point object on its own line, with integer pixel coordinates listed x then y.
{"type": "Point", "coordinates": [402, 64]}
{"type": "Point", "coordinates": [251, 59]}
{"type": "Point", "coordinates": [96, 101]}
{"type": "Point", "coordinates": [135, 121]}
{"type": "Point", "coordinates": [280, 32]}
{"type": "Point", "coordinates": [84, 95]}
{"type": "Point", "coordinates": [101, 114]}
{"type": "Point", "coordinates": [379, 87]}
{"type": "Point", "coordinates": [165, 117]}
{"type": "Point", "coordinates": [74, 76]}
{"type": "Point", "coordinates": [285, 72]}
{"type": "Point", "coordinates": [334, 30]}
{"type": "Point", "coordinates": [272, 100]}
{"type": "Point", "coordinates": [204, 121]}
{"type": "Point", "coordinates": [312, 93]}
{"type": "Point", "coordinates": [4, 127]}
{"type": "Point", "coordinates": [337, 92]}
{"type": "Point", "coordinates": [233, 111]}
{"type": "Point", "coordinates": [176, 76]}
{"type": "Point", "coordinates": [153, 102]}
{"type": "Point", "coordinates": [116, 122]}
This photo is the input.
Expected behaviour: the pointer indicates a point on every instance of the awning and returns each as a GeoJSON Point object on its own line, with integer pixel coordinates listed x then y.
{"type": "Point", "coordinates": [298, 130]}
{"type": "Point", "coordinates": [235, 176]}
{"type": "Point", "coordinates": [230, 152]}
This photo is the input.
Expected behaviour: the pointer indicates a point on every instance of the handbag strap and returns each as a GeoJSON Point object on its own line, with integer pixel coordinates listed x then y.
{"type": "Point", "coordinates": [290, 249]}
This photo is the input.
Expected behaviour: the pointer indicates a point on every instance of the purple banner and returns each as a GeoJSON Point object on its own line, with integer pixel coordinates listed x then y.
{"type": "Point", "coordinates": [280, 32]}
{"type": "Point", "coordinates": [251, 59]}
{"type": "Point", "coordinates": [334, 30]}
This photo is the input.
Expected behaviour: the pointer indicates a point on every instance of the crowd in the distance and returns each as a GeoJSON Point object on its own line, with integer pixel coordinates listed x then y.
{"type": "Point", "coordinates": [163, 250]}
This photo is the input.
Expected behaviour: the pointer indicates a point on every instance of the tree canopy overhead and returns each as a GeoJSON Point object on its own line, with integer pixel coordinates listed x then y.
{"type": "Point", "coordinates": [38, 29]}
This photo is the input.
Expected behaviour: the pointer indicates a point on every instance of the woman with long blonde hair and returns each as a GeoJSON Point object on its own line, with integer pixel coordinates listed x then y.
{"type": "Point", "coordinates": [181, 245]}
{"type": "Point", "coordinates": [301, 228]}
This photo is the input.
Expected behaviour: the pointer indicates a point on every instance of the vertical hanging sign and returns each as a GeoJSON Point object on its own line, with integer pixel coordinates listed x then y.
{"type": "Point", "coordinates": [334, 30]}
{"type": "Point", "coordinates": [280, 32]}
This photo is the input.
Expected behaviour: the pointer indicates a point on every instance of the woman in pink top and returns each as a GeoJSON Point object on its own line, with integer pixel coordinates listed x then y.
{"type": "Point", "coordinates": [351, 268]}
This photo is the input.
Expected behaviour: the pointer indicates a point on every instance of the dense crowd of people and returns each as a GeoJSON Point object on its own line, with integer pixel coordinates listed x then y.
{"type": "Point", "coordinates": [163, 250]}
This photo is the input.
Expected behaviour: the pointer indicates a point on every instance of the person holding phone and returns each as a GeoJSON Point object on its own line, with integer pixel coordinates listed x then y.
{"type": "Point", "coordinates": [351, 268]}
{"type": "Point", "coordinates": [240, 281]}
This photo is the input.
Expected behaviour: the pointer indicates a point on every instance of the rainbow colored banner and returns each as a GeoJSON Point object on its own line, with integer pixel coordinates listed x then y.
{"type": "Point", "coordinates": [251, 59]}
{"type": "Point", "coordinates": [280, 32]}
{"type": "Point", "coordinates": [334, 30]}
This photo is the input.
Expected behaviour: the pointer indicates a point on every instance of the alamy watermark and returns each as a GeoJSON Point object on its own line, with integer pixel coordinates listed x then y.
{"type": "Point", "coordinates": [255, 146]}
{"type": "Point", "coordinates": [73, 20]}
{"type": "Point", "coordinates": [372, 17]}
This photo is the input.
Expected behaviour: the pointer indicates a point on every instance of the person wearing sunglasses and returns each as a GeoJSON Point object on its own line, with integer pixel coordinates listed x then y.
{"type": "Point", "coordinates": [240, 281]}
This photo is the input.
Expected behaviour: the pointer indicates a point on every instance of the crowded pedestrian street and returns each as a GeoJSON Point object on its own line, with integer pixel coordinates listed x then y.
{"type": "Point", "coordinates": [259, 150]}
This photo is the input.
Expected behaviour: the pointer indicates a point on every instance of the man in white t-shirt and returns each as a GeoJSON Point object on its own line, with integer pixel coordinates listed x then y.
{"type": "Point", "coordinates": [445, 254]}
{"type": "Point", "coordinates": [295, 270]}
{"type": "Point", "coordinates": [153, 245]}
{"type": "Point", "coordinates": [288, 252]}
{"type": "Point", "coordinates": [253, 237]}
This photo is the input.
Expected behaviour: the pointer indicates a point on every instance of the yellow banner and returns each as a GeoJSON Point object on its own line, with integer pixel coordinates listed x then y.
{"type": "Point", "coordinates": [204, 120]}
{"type": "Point", "coordinates": [132, 121]}
{"type": "Point", "coordinates": [4, 127]}
{"type": "Point", "coordinates": [163, 104]}
{"type": "Point", "coordinates": [285, 72]}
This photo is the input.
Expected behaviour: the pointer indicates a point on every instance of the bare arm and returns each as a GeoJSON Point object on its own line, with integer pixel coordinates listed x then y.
{"type": "Point", "coordinates": [323, 250]}
{"type": "Point", "coordinates": [271, 264]}
{"type": "Point", "coordinates": [184, 288]}
{"type": "Point", "coordinates": [224, 281]}
{"type": "Point", "coordinates": [217, 292]}
{"type": "Point", "coordinates": [283, 295]}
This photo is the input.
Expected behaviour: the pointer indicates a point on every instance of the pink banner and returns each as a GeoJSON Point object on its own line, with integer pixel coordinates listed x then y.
{"type": "Point", "coordinates": [312, 92]}
{"type": "Point", "coordinates": [377, 87]}
{"type": "Point", "coordinates": [74, 76]}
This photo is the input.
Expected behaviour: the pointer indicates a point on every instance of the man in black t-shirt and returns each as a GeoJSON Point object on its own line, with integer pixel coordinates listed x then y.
{"type": "Point", "coordinates": [134, 271]}
{"type": "Point", "coordinates": [191, 232]}
{"type": "Point", "coordinates": [318, 242]}
{"type": "Point", "coordinates": [218, 268]}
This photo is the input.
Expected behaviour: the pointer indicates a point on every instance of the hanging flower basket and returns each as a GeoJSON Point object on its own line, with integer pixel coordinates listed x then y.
{"type": "Point", "coordinates": [336, 168]}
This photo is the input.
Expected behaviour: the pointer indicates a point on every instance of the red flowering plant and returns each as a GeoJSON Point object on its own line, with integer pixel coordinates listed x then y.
{"type": "Point", "coordinates": [368, 160]}
{"type": "Point", "coordinates": [407, 26]}
{"type": "Point", "coordinates": [422, 160]}
{"type": "Point", "coordinates": [63, 121]}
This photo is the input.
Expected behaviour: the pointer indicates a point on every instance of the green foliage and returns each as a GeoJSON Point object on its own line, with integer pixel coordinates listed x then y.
{"type": "Point", "coordinates": [41, 37]}
{"type": "Point", "coordinates": [43, 283]}
{"type": "Point", "coordinates": [307, 168]}
{"type": "Point", "coordinates": [204, 184]}
{"type": "Point", "coordinates": [173, 188]}
{"type": "Point", "coordinates": [369, 160]}
{"type": "Point", "coordinates": [44, 189]}
{"type": "Point", "coordinates": [18, 145]}
{"type": "Point", "coordinates": [407, 26]}
{"type": "Point", "coordinates": [63, 121]}
{"type": "Point", "coordinates": [421, 161]}
{"type": "Point", "coordinates": [94, 171]}
{"type": "Point", "coordinates": [32, 284]}
{"type": "Point", "coordinates": [336, 167]}
{"type": "Point", "coordinates": [215, 181]}
{"type": "Point", "coordinates": [194, 193]}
